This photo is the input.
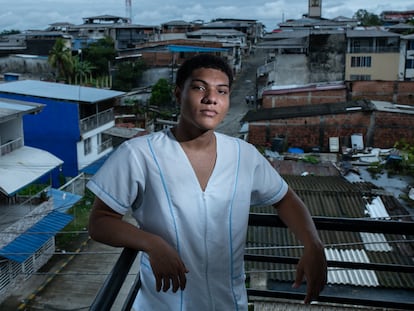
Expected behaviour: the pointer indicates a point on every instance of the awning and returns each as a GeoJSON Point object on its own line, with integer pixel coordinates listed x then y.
{"type": "Point", "coordinates": [92, 168]}
{"type": "Point", "coordinates": [23, 166]}
{"type": "Point", "coordinates": [33, 239]}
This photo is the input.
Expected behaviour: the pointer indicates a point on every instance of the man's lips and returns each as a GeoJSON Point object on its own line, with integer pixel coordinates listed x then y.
{"type": "Point", "coordinates": [209, 113]}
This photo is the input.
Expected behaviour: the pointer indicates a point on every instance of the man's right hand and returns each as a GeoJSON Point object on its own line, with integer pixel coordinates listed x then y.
{"type": "Point", "coordinates": [167, 266]}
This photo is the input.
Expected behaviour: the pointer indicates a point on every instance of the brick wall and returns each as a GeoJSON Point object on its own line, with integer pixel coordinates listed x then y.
{"type": "Point", "coordinates": [309, 97]}
{"type": "Point", "coordinates": [399, 92]}
{"type": "Point", "coordinates": [379, 129]}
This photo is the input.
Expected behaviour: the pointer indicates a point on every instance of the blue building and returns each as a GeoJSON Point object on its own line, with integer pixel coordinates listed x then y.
{"type": "Point", "coordinates": [72, 124]}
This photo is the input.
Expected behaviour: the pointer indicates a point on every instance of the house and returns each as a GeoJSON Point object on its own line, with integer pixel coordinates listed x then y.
{"type": "Point", "coordinates": [29, 222]}
{"type": "Point", "coordinates": [372, 54]}
{"type": "Point", "coordinates": [72, 124]}
{"type": "Point", "coordinates": [123, 33]}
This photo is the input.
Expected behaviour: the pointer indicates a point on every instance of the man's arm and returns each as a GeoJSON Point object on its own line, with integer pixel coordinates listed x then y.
{"type": "Point", "coordinates": [108, 227]}
{"type": "Point", "coordinates": [312, 264]}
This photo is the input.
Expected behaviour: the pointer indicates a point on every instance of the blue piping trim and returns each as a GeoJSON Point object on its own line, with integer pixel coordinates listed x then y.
{"type": "Point", "coordinates": [164, 184]}
{"type": "Point", "coordinates": [230, 225]}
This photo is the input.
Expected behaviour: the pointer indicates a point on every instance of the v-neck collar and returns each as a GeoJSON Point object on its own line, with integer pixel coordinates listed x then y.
{"type": "Point", "coordinates": [189, 165]}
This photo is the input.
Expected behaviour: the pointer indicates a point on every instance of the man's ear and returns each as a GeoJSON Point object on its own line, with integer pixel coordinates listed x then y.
{"type": "Point", "coordinates": [177, 93]}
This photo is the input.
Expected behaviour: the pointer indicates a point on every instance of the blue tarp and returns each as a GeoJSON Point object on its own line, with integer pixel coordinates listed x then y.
{"type": "Point", "coordinates": [62, 200]}
{"type": "Point", "coordinates": [185, 48]}
{"type": "Point", "coordinates": [33, 239]}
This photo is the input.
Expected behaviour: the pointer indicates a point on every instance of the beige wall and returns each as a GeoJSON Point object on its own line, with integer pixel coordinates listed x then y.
{"type": "Point", "coordinates": [384, 66]}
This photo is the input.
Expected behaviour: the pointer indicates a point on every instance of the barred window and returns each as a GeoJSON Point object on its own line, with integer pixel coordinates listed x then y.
{"type": "Point", "coordinates": [361, 61]}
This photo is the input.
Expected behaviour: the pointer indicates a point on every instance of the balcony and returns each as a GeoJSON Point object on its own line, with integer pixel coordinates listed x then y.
{"type": "Point", "coordinates": [369, 259]}
{"type": "Point", "coordinates": [266, 298]}
{"type": "Point", "coordinates": [375, 49]}
{"type": "Point", "coordinates": [94, 121]}
{"type": "Point", "coordinates": [11, 146]}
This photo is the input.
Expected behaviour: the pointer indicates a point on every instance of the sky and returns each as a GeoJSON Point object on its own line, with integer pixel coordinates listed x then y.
{"type": "Point", "coordinates": [28, 14]}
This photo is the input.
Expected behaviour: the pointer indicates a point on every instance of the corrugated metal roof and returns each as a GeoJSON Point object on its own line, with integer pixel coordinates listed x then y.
{"type": "Point", "coordinates": [12, 108]}
{"type": "Point", "coordinates": [334, 196]}
{"type": "Point", "coordinates": [23, 166]}
{"type": "Point", "coordinates": [32, 240]}
{"type": "Point", "coordinates": [58, 91]}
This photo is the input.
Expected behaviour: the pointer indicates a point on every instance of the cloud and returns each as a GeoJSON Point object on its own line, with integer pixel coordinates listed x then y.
{"type": "Point", "coordinates": [29, 14]}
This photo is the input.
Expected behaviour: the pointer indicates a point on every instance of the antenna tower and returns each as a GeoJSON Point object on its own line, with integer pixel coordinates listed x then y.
{"type": "Point", "coordinates": [128, 10]}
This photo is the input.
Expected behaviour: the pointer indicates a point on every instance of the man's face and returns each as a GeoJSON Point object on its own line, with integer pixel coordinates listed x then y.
{"type": "Point", "coordinates": [204, 99]}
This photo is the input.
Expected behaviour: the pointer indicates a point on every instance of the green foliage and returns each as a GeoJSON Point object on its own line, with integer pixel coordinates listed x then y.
{"type": "Point", "coordinates": [100, 54]}
{"type": "Point", "coordinates": [82, 71]}
{"type": "Point", "coordinates": [9, 32]}
{"type": "Point", "coordinates": [72, 232]}
{"type": "Point", "coordinates": [310, 159]}
{"type": "Point", "coordinates": [32, 189]}
{"type": "Point", "coordinates": [127, 75]}
{"type": "Point", "coordinates": [407, 153]}
{"type": "Point", "coordinates": [367, 18]}
{"type": "Point", "coordinates": [60, 58]}
{"type": "Point", "coordinates": [161, 93]}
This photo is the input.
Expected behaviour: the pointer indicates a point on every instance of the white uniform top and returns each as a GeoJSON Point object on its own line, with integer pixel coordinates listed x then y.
{"type": "Point", "coordinates": [153, 175]}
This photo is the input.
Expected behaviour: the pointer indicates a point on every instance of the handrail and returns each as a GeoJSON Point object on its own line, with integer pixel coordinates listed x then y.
{"type": "Point", "coordinates": [113, 283]}
{"type": "Point", "coordinates": [110, 289]}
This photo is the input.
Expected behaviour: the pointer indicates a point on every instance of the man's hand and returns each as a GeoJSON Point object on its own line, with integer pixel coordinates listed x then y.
{"type": "Point", "coordinates": [167, 266]}
{"type": "Point", "coordinates": [313, 267]}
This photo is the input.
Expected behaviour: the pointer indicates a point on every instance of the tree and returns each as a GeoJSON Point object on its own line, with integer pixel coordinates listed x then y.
{"type": "Point", "coordinates": [161, 93]}
{"type": "Point", "coordinates": [60, 58]}
{"type": "Point", "coordinates": [367, 18]}
{"type": "Point", "coordinates": [100, 54]}
{"type": "Point", "coordinates": [9, 32]}
{"type": "Point", "coordinates": [127, 75]}
{"type": "Point", "coordinates": [82, 70]}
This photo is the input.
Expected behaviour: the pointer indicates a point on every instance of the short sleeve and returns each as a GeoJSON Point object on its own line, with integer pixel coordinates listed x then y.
{"type": "Point", "coordinates": [268, 187]}
{"type": "Point", "coordinates": [119, 181]}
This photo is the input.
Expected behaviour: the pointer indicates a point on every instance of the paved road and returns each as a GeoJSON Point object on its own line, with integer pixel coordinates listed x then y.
{"type": "Point", "coordinates": [244, 85]}
{"type": "Point", "coordinates": [73, 280]}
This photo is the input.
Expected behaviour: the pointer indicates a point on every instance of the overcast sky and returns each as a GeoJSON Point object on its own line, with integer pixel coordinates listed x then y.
{"type": "Point", "coordinates": [38, 14]}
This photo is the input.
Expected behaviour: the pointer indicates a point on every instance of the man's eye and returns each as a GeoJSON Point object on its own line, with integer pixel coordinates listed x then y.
{"type": "Point", "coordinates": [199, 87]}
{"type": "Point", "coordinates": [223, 92]}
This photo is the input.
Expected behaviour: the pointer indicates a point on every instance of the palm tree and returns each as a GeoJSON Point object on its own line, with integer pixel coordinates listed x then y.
{"type": "Point", "coordinates": [60, 58]}
{"type": "Point", "coordinates": [81, 70]}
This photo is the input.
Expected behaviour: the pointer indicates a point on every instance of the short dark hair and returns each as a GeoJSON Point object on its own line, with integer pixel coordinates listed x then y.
{"type": "Point", "coordinates": [203, 60]}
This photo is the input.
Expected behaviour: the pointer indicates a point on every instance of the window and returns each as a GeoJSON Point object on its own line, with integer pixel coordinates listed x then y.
{"type": "Point", "coordinates": [409, 64]}
{"type": "Point", "coordinates": [315, 3]}
{"type": "Point", "coordinates": [410, 45]}
{"type": "Point", "coordinates": [87, 146]}
{"type": "Point", "coordinates": [361, 61]}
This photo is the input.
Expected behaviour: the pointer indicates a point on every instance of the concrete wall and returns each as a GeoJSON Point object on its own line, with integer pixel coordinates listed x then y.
{"type": "Point", "coordinates": [31, 67]}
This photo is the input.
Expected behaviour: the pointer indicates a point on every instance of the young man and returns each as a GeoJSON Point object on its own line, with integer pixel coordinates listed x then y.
{"type": "Point", "coordinates": [190, 190]}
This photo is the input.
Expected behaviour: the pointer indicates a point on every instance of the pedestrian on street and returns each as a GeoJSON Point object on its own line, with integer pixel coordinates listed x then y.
{"type": "Point", "coordinates": [190, 189]}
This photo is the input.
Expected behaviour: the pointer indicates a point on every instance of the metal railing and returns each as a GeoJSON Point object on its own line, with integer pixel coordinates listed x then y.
{"type": "Point", "coordinates": [11, 146]}
{"type": "Point", "coordinates": [110, 289]}
{"type": "Point", "coordinates": [94, 121]}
